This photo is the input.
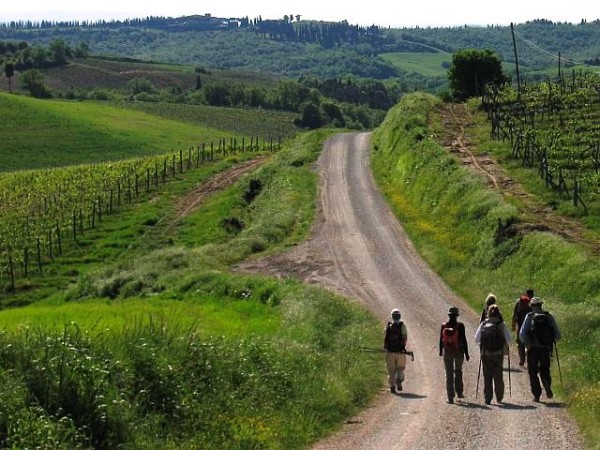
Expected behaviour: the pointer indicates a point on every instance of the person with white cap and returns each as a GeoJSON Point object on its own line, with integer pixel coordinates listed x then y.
{"type": "Point", "coordinates": [539, 332]}
{"type": "Point", "coordinates": [394, 344]}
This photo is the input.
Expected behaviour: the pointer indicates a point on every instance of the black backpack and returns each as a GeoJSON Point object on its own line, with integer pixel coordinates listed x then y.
{"type": "Point", "coordinates": [492, 336]}
{"type": "Point", "coordinates": [541, 331]}
{"type": "Point", "coordinates": [393, 337]}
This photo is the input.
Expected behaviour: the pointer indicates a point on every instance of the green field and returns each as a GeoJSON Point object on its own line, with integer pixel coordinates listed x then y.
{"type": "Point", "coordinates": [427, 64]}
{"type": "Point", "coordinates": [49, 133]}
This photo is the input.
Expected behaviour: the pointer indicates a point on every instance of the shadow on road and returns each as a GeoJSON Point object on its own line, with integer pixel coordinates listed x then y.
{"type": "Point", "coordinates": [514, 406]}
{"type": "Point", "coordinates": [471, 405]}
{"type": "Point", "coordinates": [413, 396]}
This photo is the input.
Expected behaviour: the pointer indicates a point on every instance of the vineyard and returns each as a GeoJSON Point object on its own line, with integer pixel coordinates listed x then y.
{"type": "Point", "coordinates": [553, 127]}
{"type": "Point", "coordinates": [44, 212]}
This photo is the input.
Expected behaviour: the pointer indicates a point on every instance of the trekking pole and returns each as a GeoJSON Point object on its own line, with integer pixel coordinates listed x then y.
{"type": "Point", "coordinates": [558, 362]}
{"type": "Point", "coordinates": [509, 382]}
{"type": "Point", "coordinates": [478, 375]}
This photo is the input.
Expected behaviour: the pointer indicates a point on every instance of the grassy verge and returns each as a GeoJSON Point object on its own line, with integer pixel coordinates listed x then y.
{"type": "Point", "coordinates": [457, 224]}
{"type": "Point", "coordinates": [163, 347]}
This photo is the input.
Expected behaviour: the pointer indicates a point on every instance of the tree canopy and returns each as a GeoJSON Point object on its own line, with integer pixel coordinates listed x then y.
{"type": "Point", "coordinates": [471, 70]}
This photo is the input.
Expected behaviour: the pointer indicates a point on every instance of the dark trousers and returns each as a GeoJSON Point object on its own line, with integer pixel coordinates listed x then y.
{"type": "Point", "coordinates": [453, 363]}
{"type": "Point", "coordinates": [493, 380]}
{"type": "Point", "coordinates": [521, 348]}
{"type": "Point", "coordinates": [538, 366]}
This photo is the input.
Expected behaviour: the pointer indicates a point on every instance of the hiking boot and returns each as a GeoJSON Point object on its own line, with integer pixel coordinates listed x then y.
{"type": "Point", "coordinates": [393, 389]}
{"type": "Point", "coordinates": [399, 387]}
{"type": "Point", "coordinates": [521, 363]}
{"type": "Point", "coordinates": [488, 402]}
{"type": "Point", "coordinates": [536, 399]}
{"type": "Point", "coordinates": [461, 395]}
{"type": "Point", "coordinates": [450, 400]}
{"type": "Point", "coordinates": [549, 393]}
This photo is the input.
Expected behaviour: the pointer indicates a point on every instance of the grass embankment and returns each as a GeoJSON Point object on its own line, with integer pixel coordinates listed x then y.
{"type": "Point", "coordinates": [164, 347]}
{"type": "Point", "coordinates": [47, 133]}
{"type": "Point", "coordinates": [458, 225]}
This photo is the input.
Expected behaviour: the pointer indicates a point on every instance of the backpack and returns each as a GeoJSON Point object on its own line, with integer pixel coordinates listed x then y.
{"type": "Point", "coordinates": [541, 331]}
{"type": "Point", "coordinates": [393, 337]}
{"type": "Point", "coordinates": [450, 340]}
{"type": "Point", "coordinates": [492, 336]}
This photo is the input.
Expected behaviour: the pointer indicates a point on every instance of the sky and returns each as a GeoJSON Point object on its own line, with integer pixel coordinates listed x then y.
{"type": "Point", "coordinates": [384, 13]}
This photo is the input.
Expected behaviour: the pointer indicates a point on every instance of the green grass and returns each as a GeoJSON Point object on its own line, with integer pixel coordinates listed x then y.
{"type": "Point", "coordinates": [453, 218]}
{"type": "Point", "coordinates": [45, 133]}
{"type": "Point", "coordinates": [427, 64]}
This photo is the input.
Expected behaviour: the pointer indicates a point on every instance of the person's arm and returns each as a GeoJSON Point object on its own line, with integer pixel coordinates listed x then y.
{"type": "Point", "coordinates": [506, 335]}
{"type": "Point", "coordinates": [404, 332]}
{"type": "Point", "coordinates": [557, 334]}
{"type": "Point", "coordinates": [440, 346]}
{"type": "Point", "coordinates": [463, 339]}
{"type": "Point", "coordinates": [524, 331]}
{"type": "Point", "coordinates": [478, 333]}
{"type": "Point", "coordinates": [515, 319]}
{"type": "Point", "coordinates": [385, 340]}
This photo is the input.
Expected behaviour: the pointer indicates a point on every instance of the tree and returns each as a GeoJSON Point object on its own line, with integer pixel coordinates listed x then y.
{"type": "Point", "coordinates": [471, 70]}
{"type": "Point", "coordinates": [33, 82]}
{"type": "Point", "coordinates": [9, 71]}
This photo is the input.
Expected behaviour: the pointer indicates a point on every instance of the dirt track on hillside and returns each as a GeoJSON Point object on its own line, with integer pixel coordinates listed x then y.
{"type": "Point", "coordinates": [358, 249]}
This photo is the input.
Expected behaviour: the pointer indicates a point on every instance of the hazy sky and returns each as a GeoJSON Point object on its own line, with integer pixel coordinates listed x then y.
{"type": "Point", "coordinates": [408, 13]}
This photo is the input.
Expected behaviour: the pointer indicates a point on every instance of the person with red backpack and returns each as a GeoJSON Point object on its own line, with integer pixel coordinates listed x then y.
{"type": "Point", "coordinates": [539, 332]}
{"type": "Point", "coordinates": [455, 349]}
{"type": "Point", "coordinates": [521, 309]}
{"type": "Point", "coordinates": [493, 338]}
{"type": "Point", "coordinates": [394, 344]}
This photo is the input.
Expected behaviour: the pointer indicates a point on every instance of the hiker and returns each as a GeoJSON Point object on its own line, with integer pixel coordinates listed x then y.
{"type": "Point", "coordinates": [521, 309]}
{"type": "Point", "coordinates": [493, 338]}
{"type": "Point", "coordinates": [489, 301]}
{"type": "Point", "coordinates": [539, 332]}
{"type": "Point", "coordinates": [455, 349]}
{"type": "Point", "coordinates": [394, 344]}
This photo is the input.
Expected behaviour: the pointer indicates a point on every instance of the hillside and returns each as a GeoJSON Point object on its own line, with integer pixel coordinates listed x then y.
{"type": "Point", "coordinates": [315, 48]}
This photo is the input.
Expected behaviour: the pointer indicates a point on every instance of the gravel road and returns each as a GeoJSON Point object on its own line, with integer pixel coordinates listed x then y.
{"type": "Point", "coordinates": [358, 248]}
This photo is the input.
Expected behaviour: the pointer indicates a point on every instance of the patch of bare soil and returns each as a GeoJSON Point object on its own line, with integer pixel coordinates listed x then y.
{"type": "Point", "coordinates": [534, 216]}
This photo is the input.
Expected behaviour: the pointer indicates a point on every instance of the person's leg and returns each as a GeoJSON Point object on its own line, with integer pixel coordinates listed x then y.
{"type": "Point", "coordinates": [498, 377]}
{"type": "Point", "coordinates": [532, 369]}
{"type": "Point", "coordinates": [400, 370]}
{"type": "Point", "coordinates": [458, 375]}
{"type": "Point", "coordinates": [521, 348]}
{"type": "Point", "coordinates": [545, 372]}
{"type": "Point", "coordinates": [488, 389]}
{"type": "Point", "coordinates": [391, 368]}
{"type": "Point", "coordinates": [449, 367]}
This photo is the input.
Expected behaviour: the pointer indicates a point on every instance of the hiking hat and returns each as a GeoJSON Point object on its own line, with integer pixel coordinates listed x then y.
{"type": "Point", "coordinates": [453, 311]}
{"type": "Point", "coordinates": [395, 312]}
{"type": "Point", "coordinates": [493, 311]}
{"type": "Point", "coordinates": [536, 301]}
{"type": "Point", "coordinates": [524, 298]}
{"type": "Point", "coordinates": [490, 299]}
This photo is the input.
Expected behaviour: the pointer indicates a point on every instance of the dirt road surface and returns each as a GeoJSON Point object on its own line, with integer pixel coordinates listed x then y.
{"type": "Point", "coordinates": [358, 249]}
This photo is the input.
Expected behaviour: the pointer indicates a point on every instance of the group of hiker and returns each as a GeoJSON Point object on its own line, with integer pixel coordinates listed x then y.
{"type": "Point", "coordinates": [536, 335]}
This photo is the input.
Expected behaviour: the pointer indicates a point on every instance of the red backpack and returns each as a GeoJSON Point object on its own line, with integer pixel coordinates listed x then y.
{"type": "Point", "coordinates": [450, 340]}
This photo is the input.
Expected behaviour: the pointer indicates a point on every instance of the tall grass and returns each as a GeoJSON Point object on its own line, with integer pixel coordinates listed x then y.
{"type": "Point", "coordinates": [461, 229]}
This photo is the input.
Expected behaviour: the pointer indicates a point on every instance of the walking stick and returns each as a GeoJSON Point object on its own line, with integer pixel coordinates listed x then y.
{"type": "Point", "coordinates": [558, 362]}
{"type": "Point", "coordinates": [509, 383]}
{"type": "Point", "coordinates": [478, 375]}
